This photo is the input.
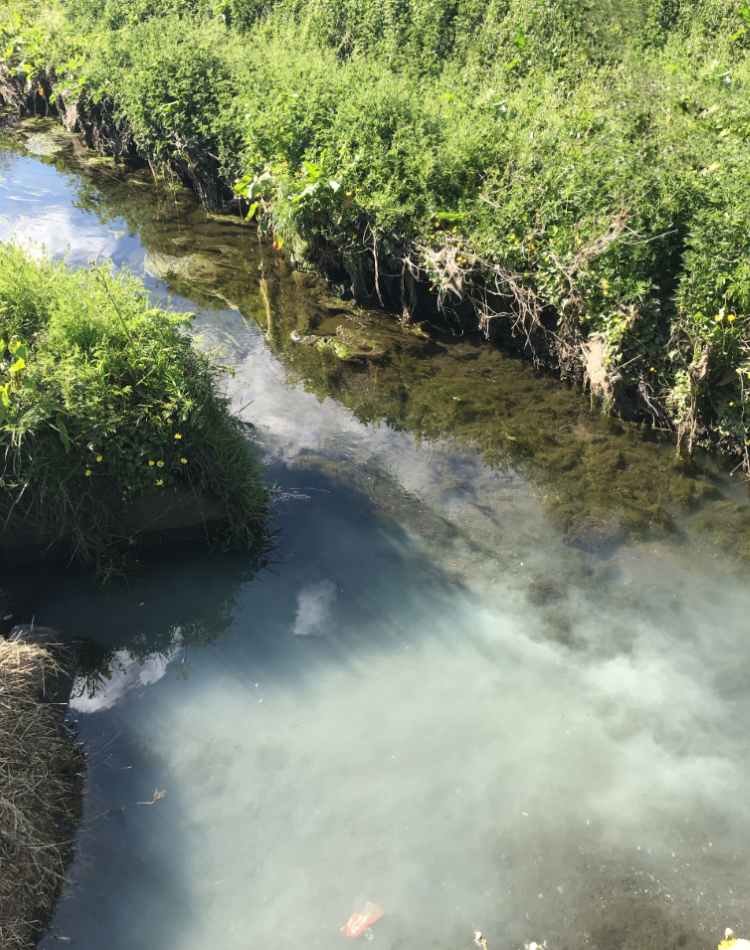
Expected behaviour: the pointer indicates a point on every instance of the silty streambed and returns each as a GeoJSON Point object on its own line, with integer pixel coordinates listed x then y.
{"type": "Point", "coordinates": [495, 677]}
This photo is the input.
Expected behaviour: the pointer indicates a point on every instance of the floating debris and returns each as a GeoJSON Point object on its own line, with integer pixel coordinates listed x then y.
{"type": "Point", "coordinates": [360, 920]}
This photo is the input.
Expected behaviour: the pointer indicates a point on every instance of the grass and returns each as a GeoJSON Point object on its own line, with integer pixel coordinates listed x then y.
{"type": "Point", "coordinates": [40, 792]}
{"type": "Point", "coordinates": [105, 397]}
{"type": "Point", "coordinates": [577, 163]}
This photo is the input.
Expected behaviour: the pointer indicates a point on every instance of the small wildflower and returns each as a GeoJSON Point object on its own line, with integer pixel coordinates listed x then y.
{"type": "Point", "coordinates": [151, 464]}
{"type": "Point", "coordinates": [160, 464]}
{"type": "Point", "coordinates": [719, 316]}
{"type": "Point", "coordinates": [184, 461]}
{"type": "Point", "coordinates": [731, 403]}
{"type": "Point", "coordinates": [177, 435]}
{"type": "Point", "coordinates": [88, 472]}
{"type": "Point", "coordinates": [651, 369]}
{"type": "Point", "coordinates": [98, 458]}
{"type": "Point", "coordinates": [731, 317]}
{"type": "Point", "coordinates": [159, 481]}
{"type": "Point", "coordinates": [609, 360]}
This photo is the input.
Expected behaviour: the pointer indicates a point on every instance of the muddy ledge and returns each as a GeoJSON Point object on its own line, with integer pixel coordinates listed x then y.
{"type": "Point", "coordinates": [158, 518]}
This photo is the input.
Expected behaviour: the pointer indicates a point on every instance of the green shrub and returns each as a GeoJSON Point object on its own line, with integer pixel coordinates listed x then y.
{"type": "Point", "coordinates": [588, 156]}
{"type": "Point", "coordinates": [104, 397]}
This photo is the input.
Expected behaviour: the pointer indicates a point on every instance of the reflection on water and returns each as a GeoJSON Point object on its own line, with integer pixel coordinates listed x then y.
{"type": "Point", "coordinates": [496, 680]}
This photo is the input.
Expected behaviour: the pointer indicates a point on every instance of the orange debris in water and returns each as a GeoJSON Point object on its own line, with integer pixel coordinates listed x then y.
{"type": "Point", "coordinates": [362, 919]}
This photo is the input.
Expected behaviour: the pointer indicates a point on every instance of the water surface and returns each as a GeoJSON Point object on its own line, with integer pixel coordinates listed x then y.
{"type": "Point", "coordinates": [494, 678]}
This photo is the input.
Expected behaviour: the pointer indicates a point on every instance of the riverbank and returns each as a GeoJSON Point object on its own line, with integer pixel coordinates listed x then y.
{"type": "Point", "coordinates": [559, 177]}
{"type": "Point", "coordinates": [40, 786]}
{"type": "Point", "coordinates": [112, 422]}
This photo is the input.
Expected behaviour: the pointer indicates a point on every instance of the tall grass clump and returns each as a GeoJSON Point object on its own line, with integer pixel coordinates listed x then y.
{"type": "Point", "coordinates": [104, 397]}
{"type": "Point", "coordinates": [571, 165]}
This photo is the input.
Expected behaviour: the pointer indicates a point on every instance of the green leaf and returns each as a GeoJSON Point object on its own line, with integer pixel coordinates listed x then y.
{"type": "Point", "coordinates": [313, 171]}
{"type": "Point", "coordinates": [63, 430]}
{"type": "Point", "coordinates": [251, 210]}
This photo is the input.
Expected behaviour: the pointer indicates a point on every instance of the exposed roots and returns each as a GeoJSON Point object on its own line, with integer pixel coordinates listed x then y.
{"type": "Point", "coordinates": [492, 290]}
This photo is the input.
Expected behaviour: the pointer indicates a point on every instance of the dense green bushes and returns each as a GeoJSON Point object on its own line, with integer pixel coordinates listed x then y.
{"type": "Point", "coordinates": [104, 397]}
{"type": "Point", "coordinates": [581, 157]}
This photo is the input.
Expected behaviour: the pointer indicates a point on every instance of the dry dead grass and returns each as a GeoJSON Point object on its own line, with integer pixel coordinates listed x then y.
{"type": "Point", "coordinates": [40, 792]}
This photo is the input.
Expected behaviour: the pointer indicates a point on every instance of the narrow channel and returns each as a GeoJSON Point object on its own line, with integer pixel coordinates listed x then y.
{"type": "Point", "coordinates": [493, 675]}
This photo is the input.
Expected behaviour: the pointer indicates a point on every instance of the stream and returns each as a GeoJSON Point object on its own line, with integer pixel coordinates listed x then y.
{"type": "Point", "coordinates": [493, 675]}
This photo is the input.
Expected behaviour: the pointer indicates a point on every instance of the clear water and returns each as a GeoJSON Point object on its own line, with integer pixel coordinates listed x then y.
{"type": "Point", "coordinates": [495, 677]}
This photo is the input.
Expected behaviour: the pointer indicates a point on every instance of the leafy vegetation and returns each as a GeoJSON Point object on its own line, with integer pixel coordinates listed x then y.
{"type": "Point", "coordinates": [104, 397]}
{"type": "Point", "coordinates": [577, 163]}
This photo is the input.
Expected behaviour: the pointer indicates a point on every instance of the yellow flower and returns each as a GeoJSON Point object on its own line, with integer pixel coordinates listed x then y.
{"type": "Point", "coordinates": [731, 403]}
{"type": "Point", "coordinates": [98, 458]}
{"type": "Point", "coordinates": [732, 316]}
{"type": "Point", "coordinates": [151, 463]}
{"type": "Point", "coordinates": [609, 360]}
{"type": "Point", "coordinates": [177, 435]}
{"type": "Point", "coordinates": [88, 472]}
{"type": "Point", "coordinates": [184, 461]}
{"type": "Point", "coordinates": [160, 464]}
{"type": "Point", "coordinates": [651, 369]}
{"type": "Point", "coordinates": [159, 481]}
{"type": "Point", "coordinates": [718, 317]}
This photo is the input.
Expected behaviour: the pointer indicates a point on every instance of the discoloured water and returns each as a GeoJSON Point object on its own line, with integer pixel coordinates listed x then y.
{"type": "Point", "coordinates": [496, 679]}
